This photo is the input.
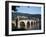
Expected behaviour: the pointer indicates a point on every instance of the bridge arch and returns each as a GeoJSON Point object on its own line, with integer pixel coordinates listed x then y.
{"type": "Point", "coordinates": [28, 24]}
{"type": "Point", "coordinates": [22, 25]}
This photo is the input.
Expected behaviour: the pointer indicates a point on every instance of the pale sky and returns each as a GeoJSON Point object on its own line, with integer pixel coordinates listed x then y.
{"type": "Point", "coordinates": [29, 10]}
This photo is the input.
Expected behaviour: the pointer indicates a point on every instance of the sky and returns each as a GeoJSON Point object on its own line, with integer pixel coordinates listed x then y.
{"type": "Point", "coordinates": [29, 10]}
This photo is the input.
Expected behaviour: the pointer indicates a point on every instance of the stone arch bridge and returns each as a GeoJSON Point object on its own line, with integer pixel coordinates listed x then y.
{"type": "Point", "coordinates": [27, 24]}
